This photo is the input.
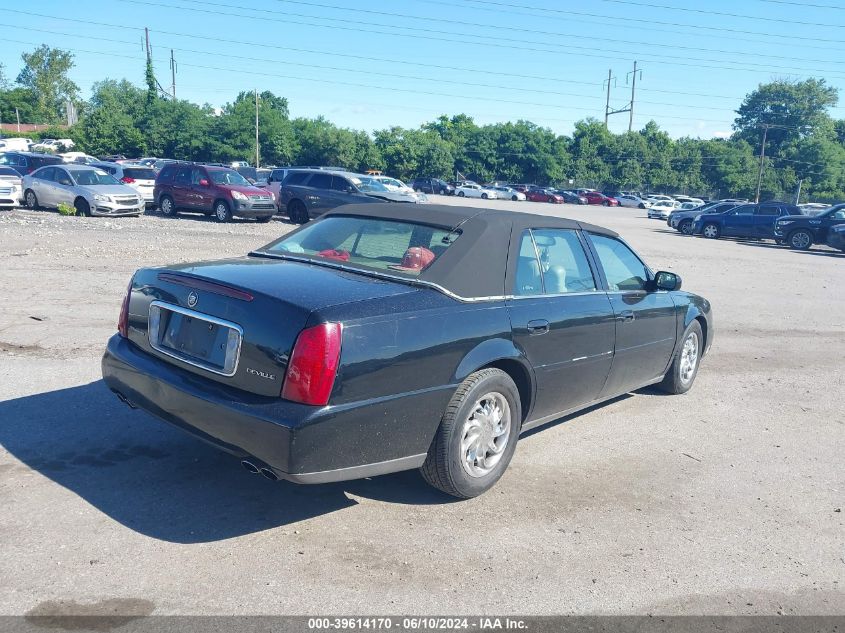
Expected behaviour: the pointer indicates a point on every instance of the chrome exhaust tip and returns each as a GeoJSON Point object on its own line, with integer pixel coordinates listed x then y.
{"type": "Point", "coordinates": [269, 474]}
{"type": "Point", "coordinates": [250, 467]}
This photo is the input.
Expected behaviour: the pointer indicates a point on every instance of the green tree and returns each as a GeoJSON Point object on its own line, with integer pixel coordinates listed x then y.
{"type": "Point", "coordinates": [45, 73]}
{"type": "Point", "coordinates": [110, 125]}
{"type": "Point", "coordinates": [17, 102]}
{"type": "Point", "coordinates": [276, 140]}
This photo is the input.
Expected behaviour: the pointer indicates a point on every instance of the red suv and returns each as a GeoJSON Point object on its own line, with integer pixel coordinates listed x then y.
{"type": "Point", "coordinates": [211, 190]}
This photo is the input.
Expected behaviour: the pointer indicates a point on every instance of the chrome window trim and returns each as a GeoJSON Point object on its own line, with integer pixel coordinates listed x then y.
{"type": "Point", "coordinates": [153, 335]}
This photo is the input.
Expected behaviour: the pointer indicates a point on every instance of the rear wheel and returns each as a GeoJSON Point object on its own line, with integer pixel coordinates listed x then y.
{"type": "Point", "coordinates": [166, 206]}
{"type": "Point", "coordinates": [31, 200]}
{"type": "Point", "coordinates": [461, 194]}
{"type": "Point", "coordinates": [515, 198]}
{"type": "Point", "coordinates": [686, 227]}
{"type": "Point", "coordinates": [82, 207]}
{"type": "Point", "coordinates": [222, 212]}
{"type": "Point", "coordinates": [684, 367]}
{"type": "Point", "coordinates": [711, 231]}
{"type": "Point", "coordinates": [484, 196]}
{"type": "Point", "coordinates": [477, 435]}
{"type": "Point", "coordinates": [800, 240]}
{"type": "Point", "coordinates": [297, 212]}
{"type": "Point", "coordinates": [606, 203]}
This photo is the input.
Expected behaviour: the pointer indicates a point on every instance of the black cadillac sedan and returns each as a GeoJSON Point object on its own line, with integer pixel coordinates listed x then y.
{"type": "Point", "coordinates": [383, 337]}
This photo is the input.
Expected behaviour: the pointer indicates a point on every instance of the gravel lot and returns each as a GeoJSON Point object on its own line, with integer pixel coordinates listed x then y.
{"type": "Point", "coordinates": [724, 501]}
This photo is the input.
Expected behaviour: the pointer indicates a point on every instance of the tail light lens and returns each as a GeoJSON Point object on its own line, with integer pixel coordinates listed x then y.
{"type": "Point", "coordinates": [127, 180]}
{"type": "Point", "coordinates": [123, 320]}
{"type": "Point", "coordinates": [313, 365]}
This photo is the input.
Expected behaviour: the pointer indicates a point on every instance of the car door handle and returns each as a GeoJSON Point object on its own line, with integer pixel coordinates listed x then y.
{"type": "Point", "coordinates": [537, 327]}
{"type": "Point", "coordinates": [626, 316]}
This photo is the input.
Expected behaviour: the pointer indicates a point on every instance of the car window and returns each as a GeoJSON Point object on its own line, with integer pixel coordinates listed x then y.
{"type": "Point", "coordinates": [746, 209]}
{"type": "Point", "coordinates": [622, 268]}
{"type": "Point", "coordinates": [838, 215]}
{"type": "Point", "coordinates": [45, 174]}
{"type": "Point", "coordinates": [63, 178]}
{"type": "Point", "coordinates": [197, 175]}
{"type": "Point", "coordinates": [321, 181]}
{"type": "Point", "coordinates": [139, 173]}
{"type": "Point", "coordinates": [184, 176]}
{"type": "Point", "coordinates": [297, 178]}
{"type": "Point", "coordinates": [563, 262]}
{"type": "Point", "coordinates": [340, 184]}
{"type": "Point", "coordinates": [91, 177]}
{"type": "Point", "coordinates": [770, 211]}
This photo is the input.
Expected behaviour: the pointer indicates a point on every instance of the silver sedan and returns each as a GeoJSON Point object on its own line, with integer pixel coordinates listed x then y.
{"type": "Point", "coordinates": [90, 191]}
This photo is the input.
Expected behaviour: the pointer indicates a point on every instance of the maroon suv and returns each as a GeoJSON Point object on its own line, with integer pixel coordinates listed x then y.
{"type": "Point", "coordinates": [211, 190]}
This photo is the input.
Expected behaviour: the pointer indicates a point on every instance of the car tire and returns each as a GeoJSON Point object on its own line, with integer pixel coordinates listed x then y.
{"type": "Point", "coordinates": [606, 203]}
{"type": "Point", "coordinates": [297, 212]}
{"type": "Point", "coordinates": [641, 206]}
{"type": "Point", "coordinates": [83, 209]}
{"type": "Point", "coordinates": [263, 219]}
{"type": "Point", "coordinates": [550, 200]}
{"type": "Point", "coordinates": [687, 227]}
{"type": "Point", "coordinates": [800, 240]}
{"type": "Point", "coordinates": [442, 192]}
{"type": "Point", "coordinates": [685, 361]}
{"type": "Point", "coordinates": [484, 196]}
{"type": "Point", "coordinates": [452, 463]}
{"type": "Point", "coordinates": [711, 231]}
{"type": "Point", "coordinates": [31, 200]}
{"type": "Point", "coordinates": [166, 206]}
{"type": "Point", "coordinates": [417, 189]}
{"type": "Point", "coordinates": [461, 194]}
{"type": "Point", "coordinates": [515, 198]}
{"type": "Point", "coordinates": [222, 213]}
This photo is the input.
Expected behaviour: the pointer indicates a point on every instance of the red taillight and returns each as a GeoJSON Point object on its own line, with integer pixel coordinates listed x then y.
{"type": "Point", "coordinates": [123, 320]}
{"type": "Point", "coordinates": [127, 180]}
{"type": "Point", "coordinates": [313, 365]}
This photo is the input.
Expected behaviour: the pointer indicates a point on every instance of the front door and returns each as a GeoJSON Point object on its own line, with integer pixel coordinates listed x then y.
{"type": "Point", "coordinates": [646, 319]}
{"type": "Point", "coordinates": [201, 195]}
{"type": "Point", "coordinates": [561, 320]}
{"type": "Point", "coordinates": [739, 222]}
{"type": "Point", "coordinates": [62, 188]}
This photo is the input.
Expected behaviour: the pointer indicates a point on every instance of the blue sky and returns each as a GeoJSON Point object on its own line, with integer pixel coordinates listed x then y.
{"type": "Point", "coordinates": [374, 65]}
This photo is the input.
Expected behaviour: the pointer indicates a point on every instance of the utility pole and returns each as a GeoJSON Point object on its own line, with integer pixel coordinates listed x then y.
{"type": "Point", "coordinates": [256, 129]}
{"type": "Point", "coordinates": [762, 158]}
{"type": "Point", "coordinates": [173, 74]}
{"type": "Point", "coordinates": [633, 94]}
{"type": "Point", "coordinates": [798, 193]}
{"type": "Point", "coordinates": [18, 117]}
{"type": "Point", "coordinates": [607, 111]}
{"type": "Point", "coordinates": [147, 38]}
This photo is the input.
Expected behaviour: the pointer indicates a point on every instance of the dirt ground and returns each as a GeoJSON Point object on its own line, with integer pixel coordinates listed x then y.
{"type": "Point", "coordinates": [727, 500]}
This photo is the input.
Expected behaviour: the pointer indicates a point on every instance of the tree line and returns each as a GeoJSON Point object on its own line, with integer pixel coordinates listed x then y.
{"type": "Point", "coordinates": [803, 141]}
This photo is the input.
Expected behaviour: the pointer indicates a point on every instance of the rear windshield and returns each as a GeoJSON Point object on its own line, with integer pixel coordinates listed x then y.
{"type": "Point", "coordinates": [139, 173]}
{"type": "Point", "coordinates": [386, 245]}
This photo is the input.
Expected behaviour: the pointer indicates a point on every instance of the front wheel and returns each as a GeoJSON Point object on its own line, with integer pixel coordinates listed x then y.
{"type": "Point", "coordinates": [800, 240]}
{"type": "Point", "coordinates": [31, 200]}
{"type": "Point", "coordinates": [484, 196]}
{"type": "Point", "coordinates": [221, 211]}
{"type": "Point", "coordinates": [685, 362]}
{"type": "Point", "coordinates": [686, 227]}
{"type": "Point", "coordinates": [82, 207]}
{"type": "Point", "coordinates": [551, 200]}
{"type": "Point", "coordinates": [711, 231]}
{"type": "Point", "coordinates": [442, 192]}
{"type": "Point", "coordinates": [477, 435]}
{"type": "Point", "coordinates": [606, 203]}
{"type": "Point", "coordinates": [515, 198]}
{"type": "Point", "coordinates": [461, 194]}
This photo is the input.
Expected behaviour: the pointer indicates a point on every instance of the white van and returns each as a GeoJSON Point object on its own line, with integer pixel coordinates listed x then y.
{"type": "Point", "coordinates": [15, 144]}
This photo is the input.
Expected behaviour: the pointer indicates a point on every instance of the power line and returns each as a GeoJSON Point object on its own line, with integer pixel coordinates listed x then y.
{"type": "Point", "coordinates": [486, 41]}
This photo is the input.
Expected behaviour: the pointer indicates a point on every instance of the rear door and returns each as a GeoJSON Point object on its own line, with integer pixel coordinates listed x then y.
{"type": "Point", "coordinates": [740, 222]}
{"type": "Point", "coordinates": [646, 320]}
{"type": "Point", "coordinates": [182, 188]}
{"type": "Point", "coordinates": [561, 319]}
{"type": "Point", "coordinates": [42, 185]}
{"type": "Point", "coordinates": [765, 217]}
{"type": "Point", "coordinates": [319, 197]}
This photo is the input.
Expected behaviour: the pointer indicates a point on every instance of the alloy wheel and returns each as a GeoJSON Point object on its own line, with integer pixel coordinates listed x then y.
{"type": "Point", "coordinates": [800, 240]}
{"type": "Point", "coordinates": [485, 434]}
{"type": "Point", "coordinates": [689, 358]}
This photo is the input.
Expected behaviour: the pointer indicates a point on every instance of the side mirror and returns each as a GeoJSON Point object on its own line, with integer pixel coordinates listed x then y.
{"type": "Point", "coordinates": [667, 281]}
{"type": "Point", "coordinates": [203, 183]}
{"type": "Point", "coordinates": [350, 189]}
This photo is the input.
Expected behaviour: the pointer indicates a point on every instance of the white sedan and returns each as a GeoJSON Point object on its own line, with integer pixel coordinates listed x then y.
{"type": "Point", "coordinates": [659, 197]}
{"type": "Point", "coordinates": [472, 190]}
{"type": "Point", "coordinates": [629, 200]}
{"type": "Point", "coordinates": [662, 208]}
{"type": "Point", "coordinates": [394, 184]}
{"type": "Point", "coordinates": [506, 193]}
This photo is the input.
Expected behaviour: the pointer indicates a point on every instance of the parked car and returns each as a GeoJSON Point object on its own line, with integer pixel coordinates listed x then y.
{"type": "Point", "coordinates": [523, 188]}
{"type": "Point", "coordinates": [570, 197]}
{"type": "Point", "coordinates": [394, 184]}
{"type": "Point", "coordinates": [141, 179]}
{"type": "Point", "coordinates": [374, 187]}
{"type": "Point", "coordinates": [15, 144]}
{"type": "Point", "coordinates": [594, 197]}
{"type": "Point", "coordinates": [381, 338]}
{"type": "Point", "coordinates": [218, 191]}
{"type": "Point", "coordinates": [745, 220]}
{"type": "Point", "coordinates": [659, 197]}
{"type": "Point", "coordinates": [80, 158]}
{"type": "Point", "coordinates": [11, 189]}
{"type": "Point", "coordinates": [689, 200]}
{"type": "Point", "coordinates": [54, 145]}
{"type": "Point", "coordinates": [836, 237]}
{"type": "Point", "coordinates": [630, 200]}
{"type": "Point", "coordinates": [432, 186]}
{"type": "Point", "coordinates": [684, 221]}
{"type": "Point", "coordinates": [91, 191]}
{"type": "Point", "coordinates": [27, 162]}
{"type": "Point", "coordinates": [472, 190]}
{"type": "Point", "coordinates": [662, 209]}
{"type": "Point", "coordinates": [148, 161]}
{"type": "Point", "coordinates": [112, 158]}
{"type": "Point", "coordinates": [309, 193]}
{"type": "Point", "coordinates": [544, 195]}
{"type": "Point", "coordinates": [507, 193]}
{"type": "Point", "coordinates": [802, 231]}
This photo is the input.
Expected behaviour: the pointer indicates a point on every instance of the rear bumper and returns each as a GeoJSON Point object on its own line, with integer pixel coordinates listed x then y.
{"type": "Point", "coordinates": [299, 443]}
